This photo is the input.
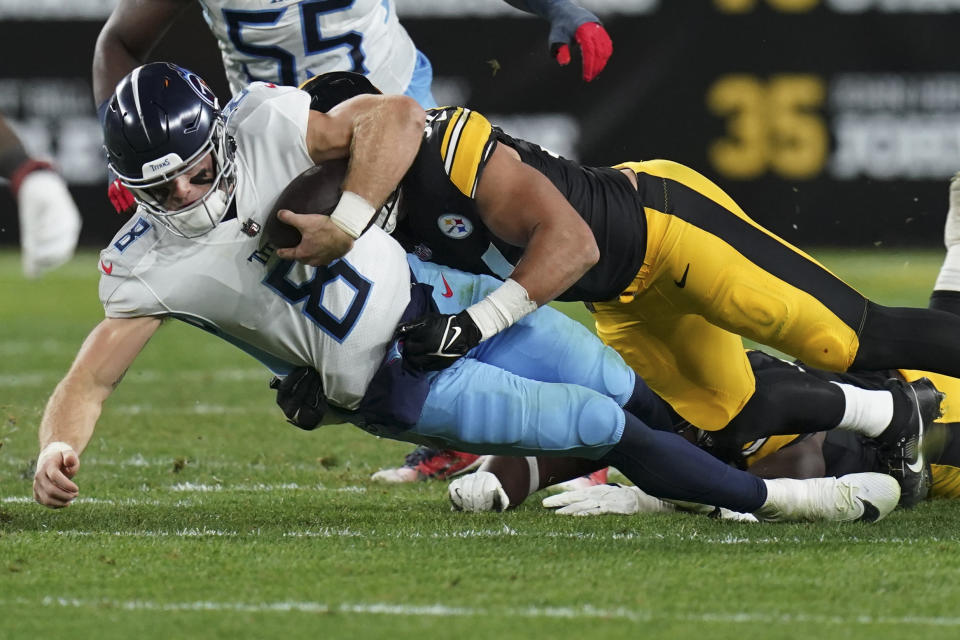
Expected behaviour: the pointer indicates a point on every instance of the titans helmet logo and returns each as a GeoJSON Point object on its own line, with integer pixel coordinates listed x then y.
{"type": "Point", "coordinates": [199, 87]}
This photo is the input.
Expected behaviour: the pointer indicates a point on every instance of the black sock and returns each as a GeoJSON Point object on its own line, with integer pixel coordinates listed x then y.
{"type": "Point", "coordinates": [948, 301]}
{"type": "Point", "coordinates": [904, 338]}
{"type": "Point", "coordinates": [651, 408]}
{"type": "Point", "coordinates": [667, 466]}
{"type": "Point", "coordinates": [787, 400]}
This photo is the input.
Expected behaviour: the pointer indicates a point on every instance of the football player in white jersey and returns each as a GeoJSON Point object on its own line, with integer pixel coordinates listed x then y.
{"type": "Point", "coordinates": [290, 41]}
{"type": "Point", "coordinates": [206, 181]}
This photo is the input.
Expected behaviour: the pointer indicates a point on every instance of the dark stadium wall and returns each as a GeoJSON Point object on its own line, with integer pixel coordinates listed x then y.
{"type": "Point", "coordinates": [832, 122]}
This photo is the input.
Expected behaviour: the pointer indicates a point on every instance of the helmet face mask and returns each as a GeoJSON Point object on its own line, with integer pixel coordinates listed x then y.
{"type": "Point", "coordinates": [200, 216]}
{"type": "Point", "coordinates": [162, 124]}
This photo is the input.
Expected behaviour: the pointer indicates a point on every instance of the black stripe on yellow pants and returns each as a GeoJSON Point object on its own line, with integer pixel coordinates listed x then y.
{"type": "Point", "coordinates": [765, 250]}
{"type": "Point", "coordinates": [701, 287]}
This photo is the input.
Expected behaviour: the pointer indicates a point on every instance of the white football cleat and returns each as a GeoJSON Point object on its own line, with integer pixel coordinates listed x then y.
{"type": "Point", "coordinates": [736, 516]}
{"type": "Point", "coordinates": [49, 222]}
{"type": "Point", "coordinates": [478, 491]}
{"type": "Point", "coordinates": [866, 497]}
{"type": "Point", "coordinates": [606, 498]}
{"type": "Point", "coordinates": [396, 475]}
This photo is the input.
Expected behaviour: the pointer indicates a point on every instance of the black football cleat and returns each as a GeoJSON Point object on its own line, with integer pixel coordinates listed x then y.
{"type": "Point", "coordinates": [916, 406]}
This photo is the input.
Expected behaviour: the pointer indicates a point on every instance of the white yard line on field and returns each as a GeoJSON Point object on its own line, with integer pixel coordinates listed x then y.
{"type": "Point", "coordinates": [502, 532]}
{"type": "Point", "coordinates": [586, 612]}
{"type": "Point", "coordinates": [139, 461]}
{"type": "Point", "coordinates": [147, 376]}
{"type": "Point", "coordinates": [198, 409]}
{"type": "Point", "coordinates": [193, 487]}
{"type": "Point", "coordinates": [32, 347]}
{"type": "Point", "coordinates": [127, 502]}
{"type": "Point", "coordinates": [190, 487]}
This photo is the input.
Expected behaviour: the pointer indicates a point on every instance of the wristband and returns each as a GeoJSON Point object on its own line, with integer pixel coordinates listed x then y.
{"type": "Point", "coordinates": [534, 468]}
{"type": "Point", "coordinates": [52, 449]}
{"type": "Point", "coordinates": [25, 169]}
{"type": "Point", "coordinates": [352, 214]}
{"type": "Point", "coordinates": [503, 307]}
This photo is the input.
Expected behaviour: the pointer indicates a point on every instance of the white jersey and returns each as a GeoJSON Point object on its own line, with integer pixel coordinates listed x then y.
{"type": "Point", "coordinates": [337, 319]}
{"type": "Point", "coordinates": [290, 41]}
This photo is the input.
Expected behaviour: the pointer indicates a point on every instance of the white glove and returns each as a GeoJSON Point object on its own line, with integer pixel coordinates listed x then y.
{"type": "Point", "coordinates": [49, 222]}
{"type": "Point", "coordinates": [606, 498]}
{"type": "Point", "coordinates": [478, 491]}
{"type": "Point", "coordinates": [736, 516]}
{"type": "Point", "coordinates": [951, 231]}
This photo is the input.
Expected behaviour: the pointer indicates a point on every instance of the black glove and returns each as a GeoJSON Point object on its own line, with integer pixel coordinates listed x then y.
{"type": "Point", "coordinates": [300, 396]}
{"type": "Point", "coordinates": [434, 341]}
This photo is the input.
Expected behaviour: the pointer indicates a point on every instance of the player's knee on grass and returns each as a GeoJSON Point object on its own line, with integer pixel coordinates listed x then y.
{"type": "Point", "coordinates": [801, 460]}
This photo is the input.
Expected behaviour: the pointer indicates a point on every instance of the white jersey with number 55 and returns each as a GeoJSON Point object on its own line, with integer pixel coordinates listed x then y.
{"type": "Point", "coordinates": [290, 41]}
{"type": "Point", "coordinates": [337, 319]}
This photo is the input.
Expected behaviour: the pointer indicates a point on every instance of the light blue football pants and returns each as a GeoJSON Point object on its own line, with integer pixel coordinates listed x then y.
{"type": "Point", "coordinates": [544, 386]}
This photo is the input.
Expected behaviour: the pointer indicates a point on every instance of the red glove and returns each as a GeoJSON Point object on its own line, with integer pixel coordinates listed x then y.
{"type": "Point", "coordinates": [121, 198]}
{"type": "Point", "coordinates": [595, 49]}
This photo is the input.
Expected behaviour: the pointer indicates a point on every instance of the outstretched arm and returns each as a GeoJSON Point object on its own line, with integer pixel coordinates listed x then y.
{"type": "Point", "coordinates": [572, 23]}
{"type": "Point", "coordinates": [74, 407]}
{"type": "Point", "coordinates": [521, 206]}
{"type": "Point", "coordinates": [130, 33]}
{"type": "Point", "coordinates": [381, 135]}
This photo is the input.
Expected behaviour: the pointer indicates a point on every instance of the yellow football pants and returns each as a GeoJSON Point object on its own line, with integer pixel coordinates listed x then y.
{"type": "Point", "coordinates": [711, 275]}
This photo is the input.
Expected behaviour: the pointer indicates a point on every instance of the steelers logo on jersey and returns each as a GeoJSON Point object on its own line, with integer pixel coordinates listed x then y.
{"type": "Point", "coordinates": [456, 227]}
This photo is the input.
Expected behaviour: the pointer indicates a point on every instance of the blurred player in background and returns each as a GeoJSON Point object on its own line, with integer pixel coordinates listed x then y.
{"type": "Point", "coordinates": [287, 43]}
{"type": "Point", "coordinates": [207, 182]}
{"type": "Point", "coordinates": [290, 42]}
{"type": "Point", "coordinates": [49, 219]}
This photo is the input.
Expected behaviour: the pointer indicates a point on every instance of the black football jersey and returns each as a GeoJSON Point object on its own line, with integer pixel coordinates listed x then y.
{"type": "Point", "coordinates": [438, 218]}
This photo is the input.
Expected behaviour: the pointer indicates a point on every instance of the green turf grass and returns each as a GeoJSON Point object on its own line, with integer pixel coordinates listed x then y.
{"type": "Point", "coordinates": [203, 514]}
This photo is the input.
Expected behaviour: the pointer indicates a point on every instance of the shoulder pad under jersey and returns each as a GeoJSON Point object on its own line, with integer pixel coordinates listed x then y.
{"type": "Point", "coordinates": [464, 140]}
{"type": "Point", "coordinates": [254, 95]}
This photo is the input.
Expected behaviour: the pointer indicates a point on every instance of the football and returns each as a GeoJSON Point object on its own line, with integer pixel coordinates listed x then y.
{"type": "Point", "coordinates": [316, 190]}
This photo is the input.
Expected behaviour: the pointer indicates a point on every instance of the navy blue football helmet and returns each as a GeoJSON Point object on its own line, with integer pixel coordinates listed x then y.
{"type": "Point", "coordinates": [161, 123]}
{"type": "Point", "coordinates": [327, 90]}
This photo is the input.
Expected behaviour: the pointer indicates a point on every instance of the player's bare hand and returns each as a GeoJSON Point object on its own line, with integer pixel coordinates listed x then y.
{"type": "Point", "coordinates": [321, 241]}
{"type": "Point", "coordinates": [52, 484]}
